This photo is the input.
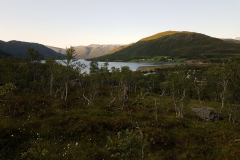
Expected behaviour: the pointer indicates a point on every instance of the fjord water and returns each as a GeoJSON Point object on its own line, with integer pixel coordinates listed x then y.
{"type": "Point", "coordinates": [132, 65]}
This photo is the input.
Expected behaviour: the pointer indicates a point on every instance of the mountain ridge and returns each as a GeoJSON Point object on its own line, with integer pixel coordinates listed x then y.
{"type": "Point", "coordinates": [90, 51]}
{"type": "Point", "coordinates": [182, 44]}
{"type": "Point", "coordinates": [229, 40]}
{"type": "Point", "coordinates": [19, 48]}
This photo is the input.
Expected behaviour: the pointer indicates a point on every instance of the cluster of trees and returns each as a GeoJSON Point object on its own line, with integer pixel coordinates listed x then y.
{"type": "Point", "coordinates": [33, 75]}
{"type": "Point", "coordinates": [220, 83]}
{"type": "Point", "coordinates": [77, 112]}
{"type": "Point", "coordinates": [30, 75]}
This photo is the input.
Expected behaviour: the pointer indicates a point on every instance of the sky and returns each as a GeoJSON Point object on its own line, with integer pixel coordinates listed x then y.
{"type": "Point", "coordinates": [65, 23]}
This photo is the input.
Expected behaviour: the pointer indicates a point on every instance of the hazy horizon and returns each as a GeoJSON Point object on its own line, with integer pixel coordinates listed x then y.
{"type": "Point", "coordinates": [81, 23]}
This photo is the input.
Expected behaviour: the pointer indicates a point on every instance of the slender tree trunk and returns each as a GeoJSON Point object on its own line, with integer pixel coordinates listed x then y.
{"type": "Point", "coordinates": [225, 83]}
{"type": "Point", "coordinates": [86, 99]}
{"type": "Point", "coordinates": [135, 87]}
{"type": "Point", "coordinates": [56, 93]}
{"type": "Point", "coordinates": [51, 84]}
{"type": "Point", "coordinates": [62, 94]}
{"type": "Point", "coordinates": [175, 105]}
{"type": "Point", "coordinates": [198, 92]}
{"type": "Point", "coordinates": [66, 86]}
{"type": "Point", "coordinates": [153, 87]}
{"type": "Point", "coordinates": [181, 105]}
{"type": "Point", "coordinates": [199, 100]}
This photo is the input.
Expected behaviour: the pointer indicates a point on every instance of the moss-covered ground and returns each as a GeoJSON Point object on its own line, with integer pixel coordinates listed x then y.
{"type": "Point", "coordinates": [43, 127]}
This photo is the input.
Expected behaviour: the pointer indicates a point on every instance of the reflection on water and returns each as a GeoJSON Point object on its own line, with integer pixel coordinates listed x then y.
{"type": "Point", "coordinates": [132, 65]}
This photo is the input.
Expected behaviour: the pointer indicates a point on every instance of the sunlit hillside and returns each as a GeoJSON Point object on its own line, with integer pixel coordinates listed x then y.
{"type": "Point", "coordinates": [188, 45]}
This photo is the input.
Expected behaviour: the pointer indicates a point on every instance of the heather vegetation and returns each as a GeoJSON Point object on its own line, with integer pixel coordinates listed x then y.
{"type": "Point", "coordinates": [52, 110]}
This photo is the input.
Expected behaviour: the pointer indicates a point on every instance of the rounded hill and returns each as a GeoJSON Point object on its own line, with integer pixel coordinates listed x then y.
{"type": "Point", "coordinates": [185, 44]}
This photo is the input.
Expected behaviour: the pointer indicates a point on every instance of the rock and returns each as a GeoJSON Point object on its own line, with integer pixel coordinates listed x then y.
{"type": "Point", "coordinates": [206, 114]}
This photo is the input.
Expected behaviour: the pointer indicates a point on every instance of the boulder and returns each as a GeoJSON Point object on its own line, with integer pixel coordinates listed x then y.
{"type": "Point", "coordinates": [206, 114]}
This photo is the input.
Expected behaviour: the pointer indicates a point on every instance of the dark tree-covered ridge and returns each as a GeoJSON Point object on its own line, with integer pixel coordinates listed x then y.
{"type": "Point", "coordinates": [19, 49]}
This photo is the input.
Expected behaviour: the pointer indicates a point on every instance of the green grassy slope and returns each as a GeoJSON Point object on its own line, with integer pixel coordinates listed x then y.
{"type": "Point", "coordinates": [159, 35]}
{"type": "Point", "coordinates": [175, 44]}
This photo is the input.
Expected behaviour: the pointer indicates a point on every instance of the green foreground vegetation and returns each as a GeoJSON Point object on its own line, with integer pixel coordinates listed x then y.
{"type": "Point", "coordinates": [53, 111]}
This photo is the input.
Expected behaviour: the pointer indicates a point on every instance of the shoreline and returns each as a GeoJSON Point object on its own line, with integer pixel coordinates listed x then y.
{"type": "Point", "coordinates": [149, 68]}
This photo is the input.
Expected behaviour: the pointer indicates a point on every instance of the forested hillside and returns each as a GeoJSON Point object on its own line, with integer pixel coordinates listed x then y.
{"type": "Point", "coordinates": [19, 49]}
{"type": "Point", "coordinates": [54, 111]}
{"type": "Point", "coordinates": [5, 54]}
{"type": "Point", "coordinates": [188, 45]}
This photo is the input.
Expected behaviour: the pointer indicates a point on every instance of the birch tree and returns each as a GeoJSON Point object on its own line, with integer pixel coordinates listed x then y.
{"type": "Point", "coordinates": [222, 76]}
{"type": "Point", "coordinates": [178, 84]}
{"type": "Point", "coordinates": [93, 80]}
{"type": "Point", "coordinates": [72, 68]}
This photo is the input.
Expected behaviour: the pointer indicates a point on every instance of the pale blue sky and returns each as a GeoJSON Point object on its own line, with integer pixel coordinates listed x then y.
{"type": "Point", "coordinates": [62, 23]}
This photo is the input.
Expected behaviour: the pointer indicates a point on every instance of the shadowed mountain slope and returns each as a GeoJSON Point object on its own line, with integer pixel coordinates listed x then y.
{"type": "Point", "coordinates": [56, 49]}
{"type": "Point", "coordinates": [175, 44]}
{"type": "Point", "coordinates": [4, 54]}
{"type": "Point", "coordinates": [19, 49]}
{"type": "Point", "coordinates": [229, 40]}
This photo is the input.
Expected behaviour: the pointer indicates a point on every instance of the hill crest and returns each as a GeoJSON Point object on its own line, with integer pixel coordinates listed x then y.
{"type": "Point", "coordinates": [90, 51]}
{"type": "Point", "coordinates": [19, 48]}
{"type": "Point", "coordinates": [184, 44]}
{"type": "Point", "coordinates": [162, 34]}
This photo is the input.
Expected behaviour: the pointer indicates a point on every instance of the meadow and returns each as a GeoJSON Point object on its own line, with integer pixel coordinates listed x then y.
{"type": "Point", "coordinates": [42, 127]}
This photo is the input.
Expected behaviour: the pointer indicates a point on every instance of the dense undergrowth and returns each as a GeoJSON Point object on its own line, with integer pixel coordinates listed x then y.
{"type": "Point", "coordinates": [42, 127]}
{"type": "Point", "coordinates": [53, 111]}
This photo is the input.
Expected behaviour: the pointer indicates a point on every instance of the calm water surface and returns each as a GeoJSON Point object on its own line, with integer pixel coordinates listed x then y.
{"type": "Point", "coordinates": [132, 65]}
